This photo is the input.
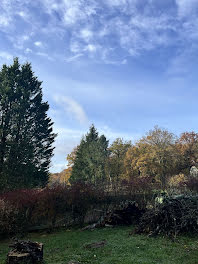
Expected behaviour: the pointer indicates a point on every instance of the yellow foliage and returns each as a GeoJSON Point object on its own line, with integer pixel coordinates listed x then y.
{"type": "Point", "coordinates": [62, 177]}
{"type": "Point", "coordinates": [176, 180]}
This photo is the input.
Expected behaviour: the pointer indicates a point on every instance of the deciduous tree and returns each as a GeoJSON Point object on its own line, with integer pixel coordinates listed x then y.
{"type": "Point", "coordinates": [154, 155]}
{"type": "Point", "coordinates": [116, 166]}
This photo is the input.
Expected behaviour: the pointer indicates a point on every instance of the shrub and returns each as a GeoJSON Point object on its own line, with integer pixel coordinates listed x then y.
{"type": "Point", "coordinates": [192, 184]}
{"type": "Point", "coordinates": [46, 207]}
{"type": "Point", "coordinates": [9, 218]}
{"type": "Point", "coordinates": [84, 197]}
{"type": "Point", "coordinates": [139, 185]}
{"type": "Point", "coordinates": [50, 205]}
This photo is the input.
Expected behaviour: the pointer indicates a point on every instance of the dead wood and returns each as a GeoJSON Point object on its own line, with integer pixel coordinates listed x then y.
{"type": "Point", "coordinates": [25, 252]}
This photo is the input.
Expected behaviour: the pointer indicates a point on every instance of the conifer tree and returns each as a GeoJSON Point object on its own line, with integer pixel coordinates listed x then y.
{"type": "Point", "coordinates": [91, 155]}
{"type": "Point", "coordinates": [26, 135]}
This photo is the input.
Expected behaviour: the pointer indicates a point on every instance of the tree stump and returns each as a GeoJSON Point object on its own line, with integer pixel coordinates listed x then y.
{"type": "Point", "coordinates": [16, 257]}
{"type": "Point", "coordinates": [25, 252]}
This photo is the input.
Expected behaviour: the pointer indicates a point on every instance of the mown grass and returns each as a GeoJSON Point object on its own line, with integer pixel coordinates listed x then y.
{"type": "Point", "coordinates": [65, 245]}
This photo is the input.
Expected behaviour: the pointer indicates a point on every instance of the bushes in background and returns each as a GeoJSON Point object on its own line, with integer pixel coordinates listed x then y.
{"type": "Point", "coordinates": [24, 209]}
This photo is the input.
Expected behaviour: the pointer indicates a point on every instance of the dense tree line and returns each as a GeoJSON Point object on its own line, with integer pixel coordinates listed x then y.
{"type": "Point", "coordinates": [159, 157]}
{"type": "Point", "coordinates": [26, 138]}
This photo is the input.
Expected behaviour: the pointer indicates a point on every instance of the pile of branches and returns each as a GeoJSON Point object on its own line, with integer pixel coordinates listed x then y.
{"type": "Point", "coordinates": [126, 213]}
{"type": "Point", "coordinates": [175, 215]}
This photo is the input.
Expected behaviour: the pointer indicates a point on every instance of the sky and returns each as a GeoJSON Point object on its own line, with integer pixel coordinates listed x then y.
{"type": "Point", "coordinates": [122, 65]}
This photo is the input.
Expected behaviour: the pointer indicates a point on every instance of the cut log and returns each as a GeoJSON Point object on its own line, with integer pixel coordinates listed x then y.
{"type": "Point", "coordinates": [16, 257]}
{"type": "Point", "coordinates": [25, 252]}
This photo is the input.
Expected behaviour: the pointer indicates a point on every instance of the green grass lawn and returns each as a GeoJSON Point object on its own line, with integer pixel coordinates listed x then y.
{"type": "Point", "coordinates": [65, 245]}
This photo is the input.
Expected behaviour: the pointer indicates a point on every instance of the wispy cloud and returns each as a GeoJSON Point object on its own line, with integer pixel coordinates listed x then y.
{"type": "Point", "coordinates": [93, 28]}
{"type": "Point", "coordinates": [5, 55]}
{"type": "Point", "coordinates": [28, 50]}
{"type": "Point", "coordinates": [73, 108]}
{"type": "Point", "coordinates": [4, 21]}
{"type": "Point", "coordinates": [75, 57]}
{"type": "Point", "coordinates": [43, 54]}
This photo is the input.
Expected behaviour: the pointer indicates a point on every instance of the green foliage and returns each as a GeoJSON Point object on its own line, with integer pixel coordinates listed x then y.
{"type": "Point", "coordinates": [90, 159]}
{"type": "Point", "coordinates": [26, 135]}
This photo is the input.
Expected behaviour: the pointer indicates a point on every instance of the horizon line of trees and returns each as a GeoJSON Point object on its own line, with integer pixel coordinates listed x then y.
{"type": "Point", "coordinates": [26, 145]}
{"type": "Point", "coordinates": [159, 157]}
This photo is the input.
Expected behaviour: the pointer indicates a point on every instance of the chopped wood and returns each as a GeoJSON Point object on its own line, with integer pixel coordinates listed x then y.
{"type": "Point", "coordinates": [25, 252]}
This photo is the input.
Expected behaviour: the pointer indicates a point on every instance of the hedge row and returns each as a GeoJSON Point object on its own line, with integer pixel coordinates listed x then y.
{"type": "Point", "coordinates": [25, 210]}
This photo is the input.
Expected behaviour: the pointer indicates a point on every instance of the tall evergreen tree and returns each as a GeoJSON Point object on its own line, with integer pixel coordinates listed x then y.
{"type": "Point", "coordinates": [26, 134]}
{"type": "Point", "coordinates": [91, 155]}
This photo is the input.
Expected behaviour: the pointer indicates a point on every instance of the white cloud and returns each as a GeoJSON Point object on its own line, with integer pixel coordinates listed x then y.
{"type": "Point", "coordinates": [75, 47]}
{"type": "Point", "coordinates": [94, 27]}
{"type": "Point", "coordinates": [57, 167]}
{"type": "Point", "coordinates": [91, 48]}
{"type": "Point", "coordinates": [5, 55]}
{"type": "Point", "coordinates": [4, 21]}
{"type": "Point", "coordinates": [23, 14]}
{"type": "Point", "coordinates": [72, 108]}
{"type": "Point", "coordinates": [43, 54]}
{"type": "Point", "coordinates": [71, 15]}
{"type": "Point", "coordinates": [38, 44]}
{"type": "Point", "coordinates": [73, 58]}
{"type": "Point", "coordinates": [28, 50]}
{"type": "Point", "coordinates": [19, 42]}
{"type": "Point", "coordinates": [86, 34]}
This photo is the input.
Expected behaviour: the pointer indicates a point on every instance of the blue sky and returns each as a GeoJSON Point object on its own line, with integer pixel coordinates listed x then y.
{"type": "Point", "coordinates": [124, 65]}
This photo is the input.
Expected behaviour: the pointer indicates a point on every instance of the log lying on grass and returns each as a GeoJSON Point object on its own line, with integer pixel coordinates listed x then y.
{"type": "Point", "coordinates": [16, 257]}
{"type": "Point", "coordinates": [26, 252]}
{"type": "Point", "coordinates": [127, 213]}
{"type": "Point", "coordinates": [96, 244]}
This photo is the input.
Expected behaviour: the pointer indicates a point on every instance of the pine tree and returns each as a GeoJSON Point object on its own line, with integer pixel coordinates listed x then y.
{"type": "Point", "coordinates": [26, 134]}
{"type": "Point", "coordinates": [91, 155]}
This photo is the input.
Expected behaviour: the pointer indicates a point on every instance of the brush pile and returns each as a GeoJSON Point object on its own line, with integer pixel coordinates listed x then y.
{"type": "Point", "coordinates": [175, 215]}
{"type": "Point", "coordinates": [126, 213]}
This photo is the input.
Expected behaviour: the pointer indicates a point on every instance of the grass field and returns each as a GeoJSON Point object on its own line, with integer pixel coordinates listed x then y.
{"type": "Point", "coordinates": [65, 245]}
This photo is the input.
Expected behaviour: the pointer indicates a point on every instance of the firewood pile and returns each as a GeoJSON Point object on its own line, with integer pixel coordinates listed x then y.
{"type": "Point", "coordinates": [126, 213]}
{"type": "Point", "coordinates": [175, 215]}
{"type": "Point", "coordinates": [26, 252]}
